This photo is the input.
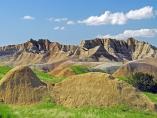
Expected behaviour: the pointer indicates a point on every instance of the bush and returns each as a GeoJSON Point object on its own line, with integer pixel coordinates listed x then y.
{"type": "Point", "coordinates": [143, 81]}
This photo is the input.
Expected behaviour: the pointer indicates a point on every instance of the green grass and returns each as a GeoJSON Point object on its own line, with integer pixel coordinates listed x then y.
{"type": "Point", "coordinates": [47, 109]}
{"type": "Point", "coordinates": [151, 96]}
{"type": "Point", "coordinates": [6, 112]}
{"type": "Point", "coordinates": [51, 110]}
{"type": "Point", "coordinates": [4, 70]}
{"type": "Point", "coordinates": [123, 79]}
{"type": "Point", "coordinates": [79, 69]}
{"type": "Point", "coordinates": [40, 74]}
{"type": "Point", "coordinates": [48, 78]}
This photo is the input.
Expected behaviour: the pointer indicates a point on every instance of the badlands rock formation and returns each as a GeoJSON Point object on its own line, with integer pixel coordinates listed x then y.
{"type": "Point", "coordinates": [119, 50]}
{"type": "Point", "coordinates": [21, 86]}
{"type": "Point", "coordinates": [98, 89]}
{"type": "Point", "coordinates": [44, 51]}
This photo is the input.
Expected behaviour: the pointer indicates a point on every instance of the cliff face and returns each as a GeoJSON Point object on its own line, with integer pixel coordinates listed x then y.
{"type": "Point", "coordinates": [119, 50]}
{"type": "Point", "coordinates": [44, 51]}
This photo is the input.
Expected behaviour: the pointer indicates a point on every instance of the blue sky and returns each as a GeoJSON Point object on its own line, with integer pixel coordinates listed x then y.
{"type": "Point", "coordinates": [69, 21]}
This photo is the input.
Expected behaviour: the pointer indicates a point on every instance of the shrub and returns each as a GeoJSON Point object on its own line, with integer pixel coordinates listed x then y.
{"type": "Point", "coordinates": [143, 81]}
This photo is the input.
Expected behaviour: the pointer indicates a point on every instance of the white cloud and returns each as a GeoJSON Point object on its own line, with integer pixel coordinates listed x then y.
{"type": "Point", "coordinates": [106, 18]}
{"type": "Point", "coordinates": [70, 22]}
{"type": "Point", "coordinates": [28, 18]}
{"type": "Point", "coordinates": [119, 18]}
{"type": "Point", "coordinates": [58, 28]}
{"type": "Point", "coordinates": [133, 33]}
{"type": "Point", "coordinates": [143, 13]}
{"type": "Point", "coordinates": [60, 19]}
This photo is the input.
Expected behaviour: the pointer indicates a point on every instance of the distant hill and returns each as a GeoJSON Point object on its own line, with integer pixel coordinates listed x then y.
{"type": "Point", "coordinates": [44, 51]}
{"type": "Point", "coordinates": [146, 65]}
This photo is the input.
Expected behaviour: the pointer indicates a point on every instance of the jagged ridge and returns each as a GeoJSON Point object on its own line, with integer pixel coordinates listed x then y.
{"type": "Point", "coordinates": [44, 51]}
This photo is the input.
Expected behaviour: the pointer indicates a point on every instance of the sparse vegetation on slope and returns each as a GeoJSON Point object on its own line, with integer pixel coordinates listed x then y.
{"type": "Point", "coordinates": [152, 96]}
{"type": "Point", "coordinates": [143, 81]}
{"type": "Point", "coordinates": [48, 78]}
{"type": "Point", "coordinates": [4, 70]}
{"type": "Point", "coordinates": [79, 69]}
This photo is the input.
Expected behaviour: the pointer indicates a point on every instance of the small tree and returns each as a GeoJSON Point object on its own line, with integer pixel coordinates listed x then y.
{"type": "Point", "coordinates": [143, 81]}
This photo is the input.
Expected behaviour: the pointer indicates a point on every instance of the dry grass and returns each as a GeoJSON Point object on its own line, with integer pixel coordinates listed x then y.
{"type": "Point", "coordinates": [100, 90]}
{"type": "Point", "coordinates": [21, 86]}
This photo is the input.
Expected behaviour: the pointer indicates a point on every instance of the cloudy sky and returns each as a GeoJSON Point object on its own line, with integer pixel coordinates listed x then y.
{"type": "Point", "coordinates": [69, 21]}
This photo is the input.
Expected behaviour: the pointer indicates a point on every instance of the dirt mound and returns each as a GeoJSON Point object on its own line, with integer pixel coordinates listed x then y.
{"type": "Point", "coordinates": [63, 70]}
{"type": "Point", "coordinates": [100, 90]}
{"type": "Point", "coordinates": [66, 72]}
{"type": "Point", "coordinates": [147, 65]}
{"type": "Point", "coordinates": [21, 86]}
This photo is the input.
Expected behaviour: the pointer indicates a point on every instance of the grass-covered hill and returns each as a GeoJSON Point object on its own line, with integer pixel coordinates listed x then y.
{"type": "Point", "coordinates": [48, 109]}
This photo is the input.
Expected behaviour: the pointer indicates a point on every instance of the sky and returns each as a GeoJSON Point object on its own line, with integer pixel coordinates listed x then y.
{"type": "Point", "coordinates": [70, 21]}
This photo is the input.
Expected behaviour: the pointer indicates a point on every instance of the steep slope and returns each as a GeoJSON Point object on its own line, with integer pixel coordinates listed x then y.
{"type": "Point", "coordinates": [100, 90]}
{"type": "Point", "coordinates": [21, 86]}
{"type": "Point", "coordinates": [119, 50]}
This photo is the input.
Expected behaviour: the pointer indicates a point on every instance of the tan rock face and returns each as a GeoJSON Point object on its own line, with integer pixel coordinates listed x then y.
{"type": "Point", "coordinates": [21, 86]}
{"type": "Point", "coordinates": [45, 51]}
{"type": "Point", "coordinates": [98, 89]}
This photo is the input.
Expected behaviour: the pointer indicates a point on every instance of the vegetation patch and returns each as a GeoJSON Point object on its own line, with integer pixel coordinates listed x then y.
{"type": "Point", "coordinates": [6, 111]}
{"type": "Point", "coordinates": [51, 110]}
{"type": "Point", "coordinates": [144, 82]}
{"type": "Point", "coordinates": [48, 78]}
{"type": "Point", "coordinates": [79, 69]}
{"type": "Point", "coordinates": [151, 96]}
{"type": "Point", "coordinates": [4, 70]}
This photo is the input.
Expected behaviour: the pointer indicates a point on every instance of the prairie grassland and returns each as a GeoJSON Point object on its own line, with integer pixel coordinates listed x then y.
{"type": "Point", "coordinates": [48, 109]}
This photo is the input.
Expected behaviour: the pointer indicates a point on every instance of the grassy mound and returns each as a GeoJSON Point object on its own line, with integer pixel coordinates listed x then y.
{"type": "Point", "coordinates": [98, 89]}
{"type": "Point", "coordinates": [51, 110]}
{"type": "Point", "coordinates": [21, 86]}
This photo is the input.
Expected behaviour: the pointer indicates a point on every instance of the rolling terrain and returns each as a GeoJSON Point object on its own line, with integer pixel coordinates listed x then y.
{"type": "Point", "coordinates": [40, 79]}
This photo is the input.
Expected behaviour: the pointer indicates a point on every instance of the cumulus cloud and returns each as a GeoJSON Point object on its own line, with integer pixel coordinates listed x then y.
{"type": "Point", "coordinates": [119, 18]}
{"type": "Point", "coordinates": [28, 18]}
{"type": "Point", "coordinates": [143, 13]}
{"type": "Point", "coordinates": [133, 33]}
{"type": "Point", "coordinates": [70, 22]}
{"type": "Point", "coordinates": [58, 28]}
